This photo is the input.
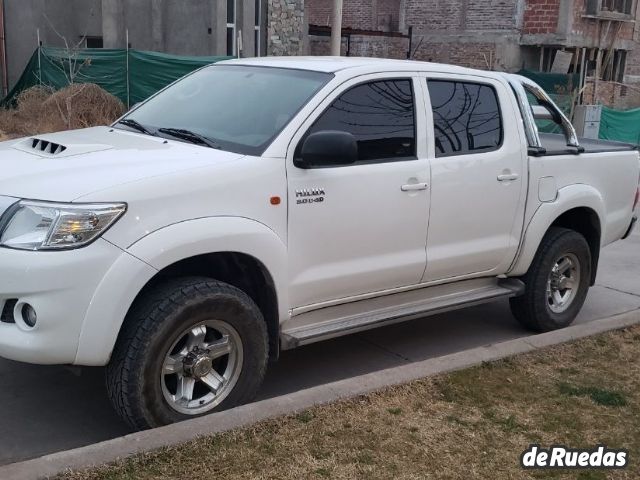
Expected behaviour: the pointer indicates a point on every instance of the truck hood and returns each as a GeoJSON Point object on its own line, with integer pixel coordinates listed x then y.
{"type": "Point", "coordinates": [68, 165]}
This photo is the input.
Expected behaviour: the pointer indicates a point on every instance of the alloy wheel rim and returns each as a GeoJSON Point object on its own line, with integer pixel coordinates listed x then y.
{"type": "Point", "coordinates": [201, 367]}
{"type": "Point", "coordinates": [563, 283]}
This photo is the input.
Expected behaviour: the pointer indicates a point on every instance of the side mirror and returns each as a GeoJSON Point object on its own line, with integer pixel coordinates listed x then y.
{"type": "Point", "coordinates": [327, 148]}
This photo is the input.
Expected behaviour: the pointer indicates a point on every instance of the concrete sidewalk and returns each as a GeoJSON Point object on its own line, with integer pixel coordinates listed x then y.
{"type": "Point", "coordinates": [112, 450]}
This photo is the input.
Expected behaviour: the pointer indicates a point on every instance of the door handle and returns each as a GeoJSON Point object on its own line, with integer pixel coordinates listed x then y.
{"type": "Point", "coordinates": [412, 187]}
{"type": "Point", "coordinates": [506, 177]}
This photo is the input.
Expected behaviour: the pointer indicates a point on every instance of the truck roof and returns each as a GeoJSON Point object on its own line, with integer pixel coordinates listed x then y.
{"type": "Point", "coordinates": [336, 64]}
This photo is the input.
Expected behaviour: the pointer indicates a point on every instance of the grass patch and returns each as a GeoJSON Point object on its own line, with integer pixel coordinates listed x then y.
{"type": "Point", "coordinates": [304, 417]}
{"type": "Point", "coordinates": [474, 423]}
{"type": "Point", "coordinates": [601, 396]}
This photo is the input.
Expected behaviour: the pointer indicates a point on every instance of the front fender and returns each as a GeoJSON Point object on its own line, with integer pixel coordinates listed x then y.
{"type": "Point", "coordinates": [569, 197]}
{"type": "Point", "coordinates": [162, 248]}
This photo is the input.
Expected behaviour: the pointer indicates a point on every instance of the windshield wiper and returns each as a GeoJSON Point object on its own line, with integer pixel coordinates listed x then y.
{"type": "Point", "coordinates": [190, 136]}
{"type": "Point", "coordinates": [131, 123]}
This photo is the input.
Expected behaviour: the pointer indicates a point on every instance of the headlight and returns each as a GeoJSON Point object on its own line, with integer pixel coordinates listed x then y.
{"type": "Point", "coordinates": [56, 226]}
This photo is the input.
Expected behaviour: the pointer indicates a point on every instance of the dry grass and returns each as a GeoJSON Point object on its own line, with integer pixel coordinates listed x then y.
{"type": "Point", "coordinates": [40, 110]}
{"type": "Point", "coordinates": [470, 424]}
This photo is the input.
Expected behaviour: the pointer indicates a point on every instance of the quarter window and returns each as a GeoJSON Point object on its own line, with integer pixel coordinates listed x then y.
{"type": "Point", "coordinates": [466, 117]}
{"type": "Point", "coordinates": [380, 115]}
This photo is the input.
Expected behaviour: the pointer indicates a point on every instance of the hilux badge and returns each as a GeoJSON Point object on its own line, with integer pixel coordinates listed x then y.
{"type": "Point", "coordinates": [310, 195]}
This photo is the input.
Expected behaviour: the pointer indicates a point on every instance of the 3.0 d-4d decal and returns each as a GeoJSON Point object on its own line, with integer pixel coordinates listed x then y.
{"type": "Point", "coordinates": [310, 195]}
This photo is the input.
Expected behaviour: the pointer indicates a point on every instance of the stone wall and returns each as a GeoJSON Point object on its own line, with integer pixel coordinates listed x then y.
{"type": "Point", "coordinates": [286, 27]}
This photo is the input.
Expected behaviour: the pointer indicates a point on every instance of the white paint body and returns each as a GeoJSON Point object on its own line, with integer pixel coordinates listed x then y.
{"type": "Point", "coordinates": [366, 239]}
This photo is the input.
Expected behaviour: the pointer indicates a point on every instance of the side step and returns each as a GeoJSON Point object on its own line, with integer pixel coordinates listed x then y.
{"type": "Point", "coordinates": [331, 322]}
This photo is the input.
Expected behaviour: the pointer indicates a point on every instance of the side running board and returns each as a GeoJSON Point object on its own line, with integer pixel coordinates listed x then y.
{"type": "Point", "coordinates": [331, 322]}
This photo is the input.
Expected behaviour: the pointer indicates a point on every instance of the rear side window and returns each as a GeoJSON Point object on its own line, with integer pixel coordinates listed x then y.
{"type": "Point", "coordinates": [380, 115]}
{"type": "Point", "coordinates": [466, 117]}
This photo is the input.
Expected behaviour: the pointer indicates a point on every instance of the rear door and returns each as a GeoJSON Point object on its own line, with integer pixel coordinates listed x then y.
{"type": "Point", "coordinates": [479, 177]}
{"type": "Point", "coordinates": [361, 228]}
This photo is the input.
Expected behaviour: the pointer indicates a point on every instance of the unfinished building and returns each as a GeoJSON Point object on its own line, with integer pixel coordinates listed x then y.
{"type": "Point", "coordinates": [594, 39]}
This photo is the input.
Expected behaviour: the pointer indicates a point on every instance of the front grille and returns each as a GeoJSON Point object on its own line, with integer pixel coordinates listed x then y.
{"type": "Point", "coordinates": [7, 311]}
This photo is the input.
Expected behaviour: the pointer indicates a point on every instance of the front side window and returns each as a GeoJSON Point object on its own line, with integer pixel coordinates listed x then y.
{"type": "Point", "coordinates": [380, 115]}
{"type": "Point", "coordinates": [466, 117]}
{"type": "Point", "coordinates": [239, 108]}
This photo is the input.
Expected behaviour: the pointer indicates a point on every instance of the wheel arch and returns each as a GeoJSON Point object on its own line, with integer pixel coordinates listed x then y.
{"type": "Point", "coordinates": [240, 270]}
{"type": "Point", "coordinates": [586, 222]}
{"type": "Point", "coordinates": [577, 207]}
{"type": "Point", "coordinates": [222, 248]}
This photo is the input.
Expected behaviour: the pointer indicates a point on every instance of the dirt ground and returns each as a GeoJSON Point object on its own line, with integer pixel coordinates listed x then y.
{"type": "Point", "coordinates": [470, 424]}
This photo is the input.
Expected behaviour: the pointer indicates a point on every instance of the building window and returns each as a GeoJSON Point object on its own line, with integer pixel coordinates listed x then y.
{"type": "Point", "coordinates": [613, 66]}
{"type": "Point", "coordinates": [618, 6]}
{"type": "Point", "coordinates": [257, 44]}
{"type": "Point", "coordinates": [94, 42]}
{"type": "Point", "coordinates": [231, 27]}
{"type": "Point", "coordinates": [599, 7]}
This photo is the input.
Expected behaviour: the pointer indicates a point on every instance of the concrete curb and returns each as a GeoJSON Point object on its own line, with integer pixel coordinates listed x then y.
{"type": "Point", "coordinates": [117, 448]}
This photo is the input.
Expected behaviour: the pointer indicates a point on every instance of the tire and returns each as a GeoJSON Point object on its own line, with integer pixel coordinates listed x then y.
{"type": "Point", "coordinates": [536, 309]}
{"type": "Point", "coordinates": [200, 316]}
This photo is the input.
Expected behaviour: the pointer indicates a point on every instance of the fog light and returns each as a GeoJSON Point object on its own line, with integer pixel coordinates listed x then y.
{"type": "Point", "coordinates": [29, 315]}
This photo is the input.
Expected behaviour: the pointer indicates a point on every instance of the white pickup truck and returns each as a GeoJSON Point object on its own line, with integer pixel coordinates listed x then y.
{"type": "Point", "coordinates": [258, 205]}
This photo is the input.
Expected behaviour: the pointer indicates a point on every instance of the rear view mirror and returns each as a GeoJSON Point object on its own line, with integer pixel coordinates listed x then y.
{"type": "Point", "coordinates": [328, 148]}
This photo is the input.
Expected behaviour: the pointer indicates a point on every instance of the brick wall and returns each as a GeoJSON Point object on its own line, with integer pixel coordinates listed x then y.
{"type": "Point", "coordinates": [490, 15]}
{"type": "Point", "coordinates": [633, 64]}
{"type": "Point", "coordinates": [541, 16]}
{"type": "Point", "coordinates": [613, 95]}
{"type": "Point", "coordinates": [462, 15]}
{"type": "Point", "coordinates": [473, 55]}
{"type": "Point", "coordinates": [357, 14]}
{"type": "Point", "coordinates": [594, 29]}
{"type": "Point", "coordinates": [434, 15]}
{"type": "Point", "coordinates": [364, 46]}
{"type": "Point", "coordinates": [441, 22]}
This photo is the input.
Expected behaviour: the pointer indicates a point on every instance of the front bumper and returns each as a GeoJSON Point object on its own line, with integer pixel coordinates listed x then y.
{"type": "Point", "coordinates": [60, 286]}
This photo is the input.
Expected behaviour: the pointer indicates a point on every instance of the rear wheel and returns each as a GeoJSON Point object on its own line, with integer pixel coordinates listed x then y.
{"type": "Point", "coordinates": [557, 282]}
{"type": "Point", "coordinates": [190, 347]}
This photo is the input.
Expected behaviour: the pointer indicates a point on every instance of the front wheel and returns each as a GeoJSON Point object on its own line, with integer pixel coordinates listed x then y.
{"type": "Point", "coordinates": [557, 282]}
{"type": "Point", "coordinates": [190, 347]}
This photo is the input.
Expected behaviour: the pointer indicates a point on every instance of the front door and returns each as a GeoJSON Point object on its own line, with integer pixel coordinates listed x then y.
{"type": "Point", "coordinates": [361, 228]}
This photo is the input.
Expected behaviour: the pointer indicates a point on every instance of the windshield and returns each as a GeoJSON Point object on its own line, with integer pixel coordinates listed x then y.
{"type": "Point", "coordinates": [235, 108]}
